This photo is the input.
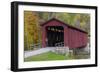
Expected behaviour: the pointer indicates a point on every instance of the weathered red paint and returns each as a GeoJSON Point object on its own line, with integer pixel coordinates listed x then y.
{"type": "Point", "coordinates": [73, 37]}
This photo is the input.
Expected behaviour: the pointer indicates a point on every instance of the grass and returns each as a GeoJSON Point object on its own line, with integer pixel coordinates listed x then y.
{"type": "Point", "coordinates": [47, 57]}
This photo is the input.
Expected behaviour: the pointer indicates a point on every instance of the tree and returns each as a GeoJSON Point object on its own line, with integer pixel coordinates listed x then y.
{"type": "Point", "coordinates": [30, 29]}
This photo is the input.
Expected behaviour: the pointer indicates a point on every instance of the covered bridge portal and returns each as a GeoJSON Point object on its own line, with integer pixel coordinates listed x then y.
{"type": "Point", "coordinates": [55, 33]}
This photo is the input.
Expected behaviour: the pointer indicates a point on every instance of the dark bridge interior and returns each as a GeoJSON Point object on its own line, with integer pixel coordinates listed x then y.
{"type": "Point", "coordinates": [55, 36]}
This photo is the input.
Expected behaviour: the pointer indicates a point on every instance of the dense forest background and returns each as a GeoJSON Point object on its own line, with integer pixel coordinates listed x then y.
{"type": "Point", "coordinates": [33, 20]}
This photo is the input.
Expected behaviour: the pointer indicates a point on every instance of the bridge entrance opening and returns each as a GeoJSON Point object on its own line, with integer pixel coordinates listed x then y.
{"type": "Point", "coordinates": [55, 36]}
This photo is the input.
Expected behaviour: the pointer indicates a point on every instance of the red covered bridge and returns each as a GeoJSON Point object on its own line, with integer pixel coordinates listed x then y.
{"type": "Point", "coordinates": [55, 31]}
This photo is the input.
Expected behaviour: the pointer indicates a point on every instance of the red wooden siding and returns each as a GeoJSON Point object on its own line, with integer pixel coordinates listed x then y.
{"type": "Point", "coordinates": [76, 38]}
